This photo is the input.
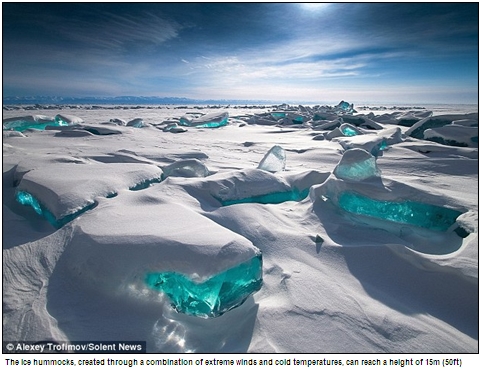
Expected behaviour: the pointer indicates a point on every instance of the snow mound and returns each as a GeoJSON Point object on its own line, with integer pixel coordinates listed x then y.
{"type": "Point", "coordinates": [417, 130]}
{"type": "Point", "coordinates": [68, 120]}
{"type": "Point", "coordinates": [453, 135]}
{"type": "Point", "coordinates": [244, 184]}
{"type": "Point", "coordinates": [99, 130]}
{"type": "Point", "coordinates": [13, 134]}
{"type": "Point", "coordinates": [174, 128]}
{"type": "Point", "coordinates": [107, 252]}
{"type": "Point", "coordinates": [63, 196]}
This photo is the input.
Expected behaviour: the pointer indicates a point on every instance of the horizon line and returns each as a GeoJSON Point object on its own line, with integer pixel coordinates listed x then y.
{"type": "Point", "coordinates": [124, 99]}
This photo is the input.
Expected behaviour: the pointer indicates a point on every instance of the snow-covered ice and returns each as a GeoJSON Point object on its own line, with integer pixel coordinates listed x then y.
{"type": "Point", "coordinates": [356, 165]}
{"type": "Point", "coordinates": [258, 229]}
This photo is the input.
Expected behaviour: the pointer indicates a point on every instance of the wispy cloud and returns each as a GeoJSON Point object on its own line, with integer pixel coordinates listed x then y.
{"type": "Point", "coordinates": [113, 32]}
{"type": "Point", "coordinates": [292, 62]}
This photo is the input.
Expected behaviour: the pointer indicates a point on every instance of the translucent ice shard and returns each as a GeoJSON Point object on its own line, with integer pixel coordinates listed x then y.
{"type": "Point", "coordinates": [274, 160]}
{"type": "Point", "coordinates": [357, 165]}
{"type": "Point", "coordinates": [408, 212]}
{"type": "Point", "coordinates": [188, 168]}
{"type": "Point", "coordinates": [214, 296]}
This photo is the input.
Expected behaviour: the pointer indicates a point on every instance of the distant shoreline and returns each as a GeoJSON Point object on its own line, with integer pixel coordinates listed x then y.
{"type": "Point", "coordinates": [154, 100]}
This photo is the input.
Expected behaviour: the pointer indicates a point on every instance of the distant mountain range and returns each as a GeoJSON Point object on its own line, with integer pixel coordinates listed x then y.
{"type": "Point", "coordinates": [130, 100]}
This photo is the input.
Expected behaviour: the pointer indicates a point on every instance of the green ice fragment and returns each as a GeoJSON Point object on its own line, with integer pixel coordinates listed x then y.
{"type": "Point", "coordinates": [407, 212]}
{"type": "Point", "coordinates": [298, 120]}
{"type": "Point", "coordinates": [28, 199]}
{"type": "Point", "coordinates": [59, 121]}
{"type": "Point", "coordinates": [214, 296]}
{"type": "Point", "coordinates": [348, 131]}
{"type": "Point", "coordinates": [278, 115]}
{"type": "Point", "coordinates": [383, 146]}
{"type": "Point", "coordinates": [25, 198]}
{"type": "Point", "coordinates": [23, 124]}
{"type": "Point", "coordinates": [270, 198]}
{"type": "Point", "coordinates": [223, 122]}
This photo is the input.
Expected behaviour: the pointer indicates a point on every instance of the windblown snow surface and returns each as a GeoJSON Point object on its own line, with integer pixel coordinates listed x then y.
{"type": "Point", "coordinates": [121, 192]}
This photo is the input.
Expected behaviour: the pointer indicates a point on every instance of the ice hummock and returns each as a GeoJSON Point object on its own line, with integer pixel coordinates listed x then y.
{"type": "Point", "coordinates": [39, 122]}
{"type": "Point", "coordinates": [357, 165]}
{"type": "Point", "coordinates": [453, 135]}
{"type": "Point", "coordinates": [169, 243]}
{"type": "Point", "coordinates": [389, 204]}
{"type": "Point", "coordinates": [214, 296]}
{"type": "Point", "coordinates": [211, 120]}
{"type": "Point", "coordinates": [349, 130]}
{"type": "Point", "coordinates": [407, 212]}
{"type": "Point", "coordinates": [274, 160]}
{"type": "Point", "coordinates": [137, 123]}
{"type": "Point", "coordinates": [21, 124]}
{"type": "Point", "coordinates": [417, 130]}
{"type": "Point", "coordinates": [344, 106]}
{"type": "Point", "coordinates": [62, 197]}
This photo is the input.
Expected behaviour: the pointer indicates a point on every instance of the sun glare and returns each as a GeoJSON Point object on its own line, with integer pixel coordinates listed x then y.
{"type": "Point", "coordinates": [313, 7]}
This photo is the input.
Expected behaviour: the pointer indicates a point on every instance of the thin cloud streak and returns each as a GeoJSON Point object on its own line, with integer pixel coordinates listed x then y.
{"type": "Point", "coordinates": [117, 33]}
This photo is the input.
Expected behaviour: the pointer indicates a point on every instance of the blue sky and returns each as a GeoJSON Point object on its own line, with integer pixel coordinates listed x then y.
{"type": "Point", "coordinates": [291, 52]}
